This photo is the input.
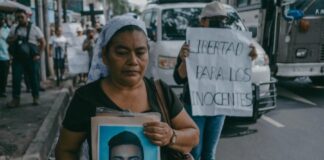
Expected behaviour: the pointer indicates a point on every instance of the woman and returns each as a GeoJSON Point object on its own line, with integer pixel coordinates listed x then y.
{"type": "Point", "coordinates": [58, 50]}
{"type": "Point", "coordinates": [213, 15]}
{"type": "Point", "coordinates": [124, 48]}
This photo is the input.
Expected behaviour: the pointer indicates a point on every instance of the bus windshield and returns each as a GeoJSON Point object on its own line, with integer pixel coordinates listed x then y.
{"type": "Point", "coordinates": [176, 20]}
{"type": "Point", "coordinates": [310, 7]}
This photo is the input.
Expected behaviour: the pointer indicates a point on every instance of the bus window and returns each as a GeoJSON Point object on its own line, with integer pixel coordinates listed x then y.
{"type": "Point", "coordinates": [150, 23]}
{"type": "Point", "coordinates": [234, 22]}
{"type": "Point", "coordinates": [242, 3]}
{"type": "Point", "coordinates": [255, 2]}
{"type": "Point", "coordinates": [310, 8]}
{"type": "Point", "coordinates": [176, 20]}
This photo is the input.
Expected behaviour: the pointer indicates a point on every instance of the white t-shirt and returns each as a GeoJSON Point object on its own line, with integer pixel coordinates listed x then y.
{"type": "Point", "coordinates": [79, 41]}
{"type": "Point", "coordinates": [58, 46]}
{"type": "Point", "coordinates": [34, 35]}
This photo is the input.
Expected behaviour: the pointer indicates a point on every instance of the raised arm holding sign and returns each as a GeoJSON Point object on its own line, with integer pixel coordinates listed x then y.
{"type": "Point", "coordinates": [216, 74]}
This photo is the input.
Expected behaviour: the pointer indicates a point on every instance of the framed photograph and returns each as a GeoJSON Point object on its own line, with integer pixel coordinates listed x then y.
{"type": "Point", "coordinates": [122, 137]}
{"type": "Point", "coordinates": [117, 142]}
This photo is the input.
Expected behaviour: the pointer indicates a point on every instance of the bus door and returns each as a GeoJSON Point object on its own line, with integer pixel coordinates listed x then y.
{"type": "Point", "coordinates": [300, 50]}
{"type": "Point", "coordinates": [261, 18]}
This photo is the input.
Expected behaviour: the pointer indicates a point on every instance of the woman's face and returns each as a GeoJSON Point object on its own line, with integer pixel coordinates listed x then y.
{"type": "Point", "coordinates": [127, 57]}
{"type": "Point", "coordinates": [213, 22]}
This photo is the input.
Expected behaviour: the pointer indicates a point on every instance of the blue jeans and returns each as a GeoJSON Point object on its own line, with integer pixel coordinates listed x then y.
{"type": "Point", "coordinates": [210, 128]}
{"type": "Point", "coordinates": [29, 67]}
{"type": "Point", "coordinates": [4, 70]}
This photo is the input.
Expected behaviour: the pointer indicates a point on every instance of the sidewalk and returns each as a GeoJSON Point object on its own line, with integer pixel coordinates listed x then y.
{"type": "Point", "coordinates": [27, 132]}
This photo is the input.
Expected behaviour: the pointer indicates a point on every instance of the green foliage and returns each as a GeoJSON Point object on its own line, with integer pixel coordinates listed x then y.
{"type": "Point", "coordinates": [118, 6]}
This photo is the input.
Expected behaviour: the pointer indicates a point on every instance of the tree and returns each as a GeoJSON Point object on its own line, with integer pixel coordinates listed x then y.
{"type": "Point", "coordinates": [136, 10]}
{"type": "Point", "coordinates": [118, 7]}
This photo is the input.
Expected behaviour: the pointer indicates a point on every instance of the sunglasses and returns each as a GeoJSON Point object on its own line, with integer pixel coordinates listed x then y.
{"type": "Point", "coordinates": [217, 22]}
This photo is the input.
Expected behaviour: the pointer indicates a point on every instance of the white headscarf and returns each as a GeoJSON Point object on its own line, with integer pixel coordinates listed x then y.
{"type": "Point", "coordinates": [98, 69]}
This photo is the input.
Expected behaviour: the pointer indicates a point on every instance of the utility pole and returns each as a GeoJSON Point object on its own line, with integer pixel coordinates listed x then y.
{"type": "Point", "coordinates": [58, 13]}
{"type": "Point", "coordinates": [46, 30]}
{"type": "Point", "coordinates": [39, 20]}
{"type": "Point", "coordinates": [64, 4]}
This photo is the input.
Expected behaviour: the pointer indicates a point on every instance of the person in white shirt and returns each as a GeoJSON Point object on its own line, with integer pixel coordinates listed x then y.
{"type": "Point", "coordinates": [80, 39]}
{"type": "Point", "coordinates": [4, 55]}
{"type": "Point", "coordinates": [58, 47]}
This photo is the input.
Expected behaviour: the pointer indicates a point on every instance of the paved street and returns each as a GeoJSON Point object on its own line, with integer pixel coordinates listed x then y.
{"type": "Point", "coordinates": [293, 131]}
{"type": "Point", "coordinates": [27, 132]}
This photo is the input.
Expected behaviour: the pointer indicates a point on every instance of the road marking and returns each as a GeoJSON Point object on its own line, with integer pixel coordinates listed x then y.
{"type": "Point", "coordinates": [285, 93]}
{"type": "Point", "coordinates": [272, 121]}
{"type": "Point", "coordinates": [318, 87]}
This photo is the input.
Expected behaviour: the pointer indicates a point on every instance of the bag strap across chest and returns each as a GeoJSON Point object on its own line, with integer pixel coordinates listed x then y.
{"type": "Point", "coordinates": [28, 30]}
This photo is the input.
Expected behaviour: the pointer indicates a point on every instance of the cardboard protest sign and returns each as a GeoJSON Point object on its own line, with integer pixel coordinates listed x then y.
{"type": "Point", "coordinates": [78, 60]}
{"type": "Point", "coordinates": [116, 136]}
{"type": "Point", "coordinates": [219, 72]}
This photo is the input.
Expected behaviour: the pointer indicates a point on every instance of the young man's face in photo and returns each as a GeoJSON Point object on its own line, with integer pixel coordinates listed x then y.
{"type": "Point", "coordinates": [126, 152]}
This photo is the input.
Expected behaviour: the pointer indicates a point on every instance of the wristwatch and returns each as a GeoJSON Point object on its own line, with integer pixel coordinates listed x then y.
{"type": "Point", "coordinates": [174, 137]}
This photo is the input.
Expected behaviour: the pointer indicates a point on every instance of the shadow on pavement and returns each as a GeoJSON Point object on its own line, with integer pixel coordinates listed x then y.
{"type": "Point", "coordinates": [237, 127]}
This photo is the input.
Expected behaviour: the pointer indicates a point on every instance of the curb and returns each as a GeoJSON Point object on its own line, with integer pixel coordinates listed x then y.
{"type": "Point", "coordinates": [40, 146]}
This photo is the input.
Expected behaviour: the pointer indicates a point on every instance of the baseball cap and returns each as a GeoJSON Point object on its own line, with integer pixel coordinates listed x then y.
{"type": "Point", "coordinates": [79, 29]}
{"type": "Point", "coordinates": [213, 9]}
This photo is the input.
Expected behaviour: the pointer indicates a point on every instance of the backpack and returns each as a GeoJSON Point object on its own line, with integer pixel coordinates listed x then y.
{"type": "Point", "coordinates": [21, 49]}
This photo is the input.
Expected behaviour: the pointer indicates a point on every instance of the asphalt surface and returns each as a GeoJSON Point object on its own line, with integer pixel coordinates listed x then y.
{"type": "Point", "coordinates": [293, 131]}
{"type": "Point", "coordinates": [19, 126]}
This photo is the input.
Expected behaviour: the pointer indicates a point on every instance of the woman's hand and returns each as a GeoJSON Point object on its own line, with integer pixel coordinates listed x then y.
{"type": "Point", "coordinates": [253, 54]}
{"type": "Point", "coordinates": [184, 52]}
{"type": "Point", "coordinates": [159, 133]}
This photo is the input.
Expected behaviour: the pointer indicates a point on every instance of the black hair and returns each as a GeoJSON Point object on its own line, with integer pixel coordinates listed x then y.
{"type": "Point", "coordinates": [21, 11]}
{"type": "Point", "coordinates": [123, 138]}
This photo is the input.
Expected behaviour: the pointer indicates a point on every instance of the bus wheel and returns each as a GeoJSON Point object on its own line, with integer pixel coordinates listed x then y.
{"type": "Point", "coordinates": [317, 80]}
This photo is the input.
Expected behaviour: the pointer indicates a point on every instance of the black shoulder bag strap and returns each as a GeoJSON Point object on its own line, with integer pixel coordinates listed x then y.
{"type": "Point", "coordinates": [162, 102]}
{"type": "Point", "coordinates": [28, 30]}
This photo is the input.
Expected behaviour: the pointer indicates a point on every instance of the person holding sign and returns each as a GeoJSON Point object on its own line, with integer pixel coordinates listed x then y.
{"type": "Point", "coordinates": [89, 43]}
{"type": "Point", "coordinates": [213, 15]}
{"type": "Point", "coordinates": [119, 84]}
{"type": "Point", "coordinates": [79, 41]}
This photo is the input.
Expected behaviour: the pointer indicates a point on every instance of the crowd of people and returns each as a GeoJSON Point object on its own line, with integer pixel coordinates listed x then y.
{"type": "Point", "coordinates": [21, 46]}
{"type": "Point", "coordinates": [120, 84]}
{"type": "Point", "coordinates": [121, 47]}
